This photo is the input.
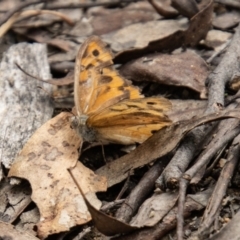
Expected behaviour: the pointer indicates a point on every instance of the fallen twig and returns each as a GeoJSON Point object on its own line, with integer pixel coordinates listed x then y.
{"type": "Point", "coordinates": [188, 175]}
{"type": "Point", "coordinates": [139, 193]}
{"type": "Point", "coordinates": [220, 188]}
{"type": "Point", "coordinates": [216, 84]}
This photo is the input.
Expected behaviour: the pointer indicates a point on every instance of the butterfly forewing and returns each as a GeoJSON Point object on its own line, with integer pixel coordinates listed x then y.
{"type": "Point", "coordinates": [97, 84]}
{"type": "Point", "coordinates": [111, 89]}
{"type": "Point", "coordinates": [86, 61]}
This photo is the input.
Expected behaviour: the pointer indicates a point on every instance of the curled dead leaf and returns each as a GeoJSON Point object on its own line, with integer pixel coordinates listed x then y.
{"type": "Point", "coordinates": [105, 224]}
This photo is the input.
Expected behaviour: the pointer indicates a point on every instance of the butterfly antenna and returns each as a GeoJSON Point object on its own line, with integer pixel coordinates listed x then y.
{"type": "Point", "coordinates": [28, 74]}
{"type": "Point", "coordinates": [80, 149]}
{"type": "Point", "coordinates": [103, 153]}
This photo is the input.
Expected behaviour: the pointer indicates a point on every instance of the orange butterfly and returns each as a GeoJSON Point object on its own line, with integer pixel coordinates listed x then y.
{"type": "Point", "coordinates": [109, 109]}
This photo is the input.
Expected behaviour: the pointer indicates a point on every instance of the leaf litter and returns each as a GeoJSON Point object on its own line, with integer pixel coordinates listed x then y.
{"type": "Point", "coordinates": [53, 149]}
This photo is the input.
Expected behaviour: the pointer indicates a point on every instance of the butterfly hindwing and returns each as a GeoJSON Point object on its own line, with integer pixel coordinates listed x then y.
{"type": "Point", "coordinates": [129, 134]}
{"type": "Point", "coordinates": [131, 120]}
{"type": "Point", "coordinates": [131, 112]}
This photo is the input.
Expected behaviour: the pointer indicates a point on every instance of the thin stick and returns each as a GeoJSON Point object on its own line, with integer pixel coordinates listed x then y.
{"type": "Point", "coordinates": [89, 5]}
{"type": "Point", "coordinates": [17, 9]}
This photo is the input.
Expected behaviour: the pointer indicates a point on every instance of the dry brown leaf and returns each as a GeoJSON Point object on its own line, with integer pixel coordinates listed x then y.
{"type": "Point", "coordinates": [44, 161]}
{"type": "Point", "coordinates": [186, 69]}
{"type": "Point", "coordinates": [119, 18]}
{"type": "Point", "coordinates": [139, 35]}
{"type": "Point", "coordinates": [197, 30]}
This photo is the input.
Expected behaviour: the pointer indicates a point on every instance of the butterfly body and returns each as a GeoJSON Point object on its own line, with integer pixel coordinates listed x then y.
{"type": "Point", "coordinates": [79, 123]}
{"type": "Point", "coordinates": [109, 108]}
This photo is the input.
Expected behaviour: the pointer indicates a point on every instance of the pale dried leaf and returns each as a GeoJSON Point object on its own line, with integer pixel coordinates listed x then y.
{"type": "Point", "coordinates": [226, 20]}
{"type": "Point", "coordinates": [138, 35]}
{"type": "Point", "coordinates": [216, 38]}
{"type": "Point", "coordinates": [44, 161]}
{"type": "Point", "coordinates": [8, 232]}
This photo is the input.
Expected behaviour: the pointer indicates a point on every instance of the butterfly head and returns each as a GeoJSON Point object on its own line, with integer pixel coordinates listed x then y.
{"type": "Point", "coordinates": [79, 124]}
